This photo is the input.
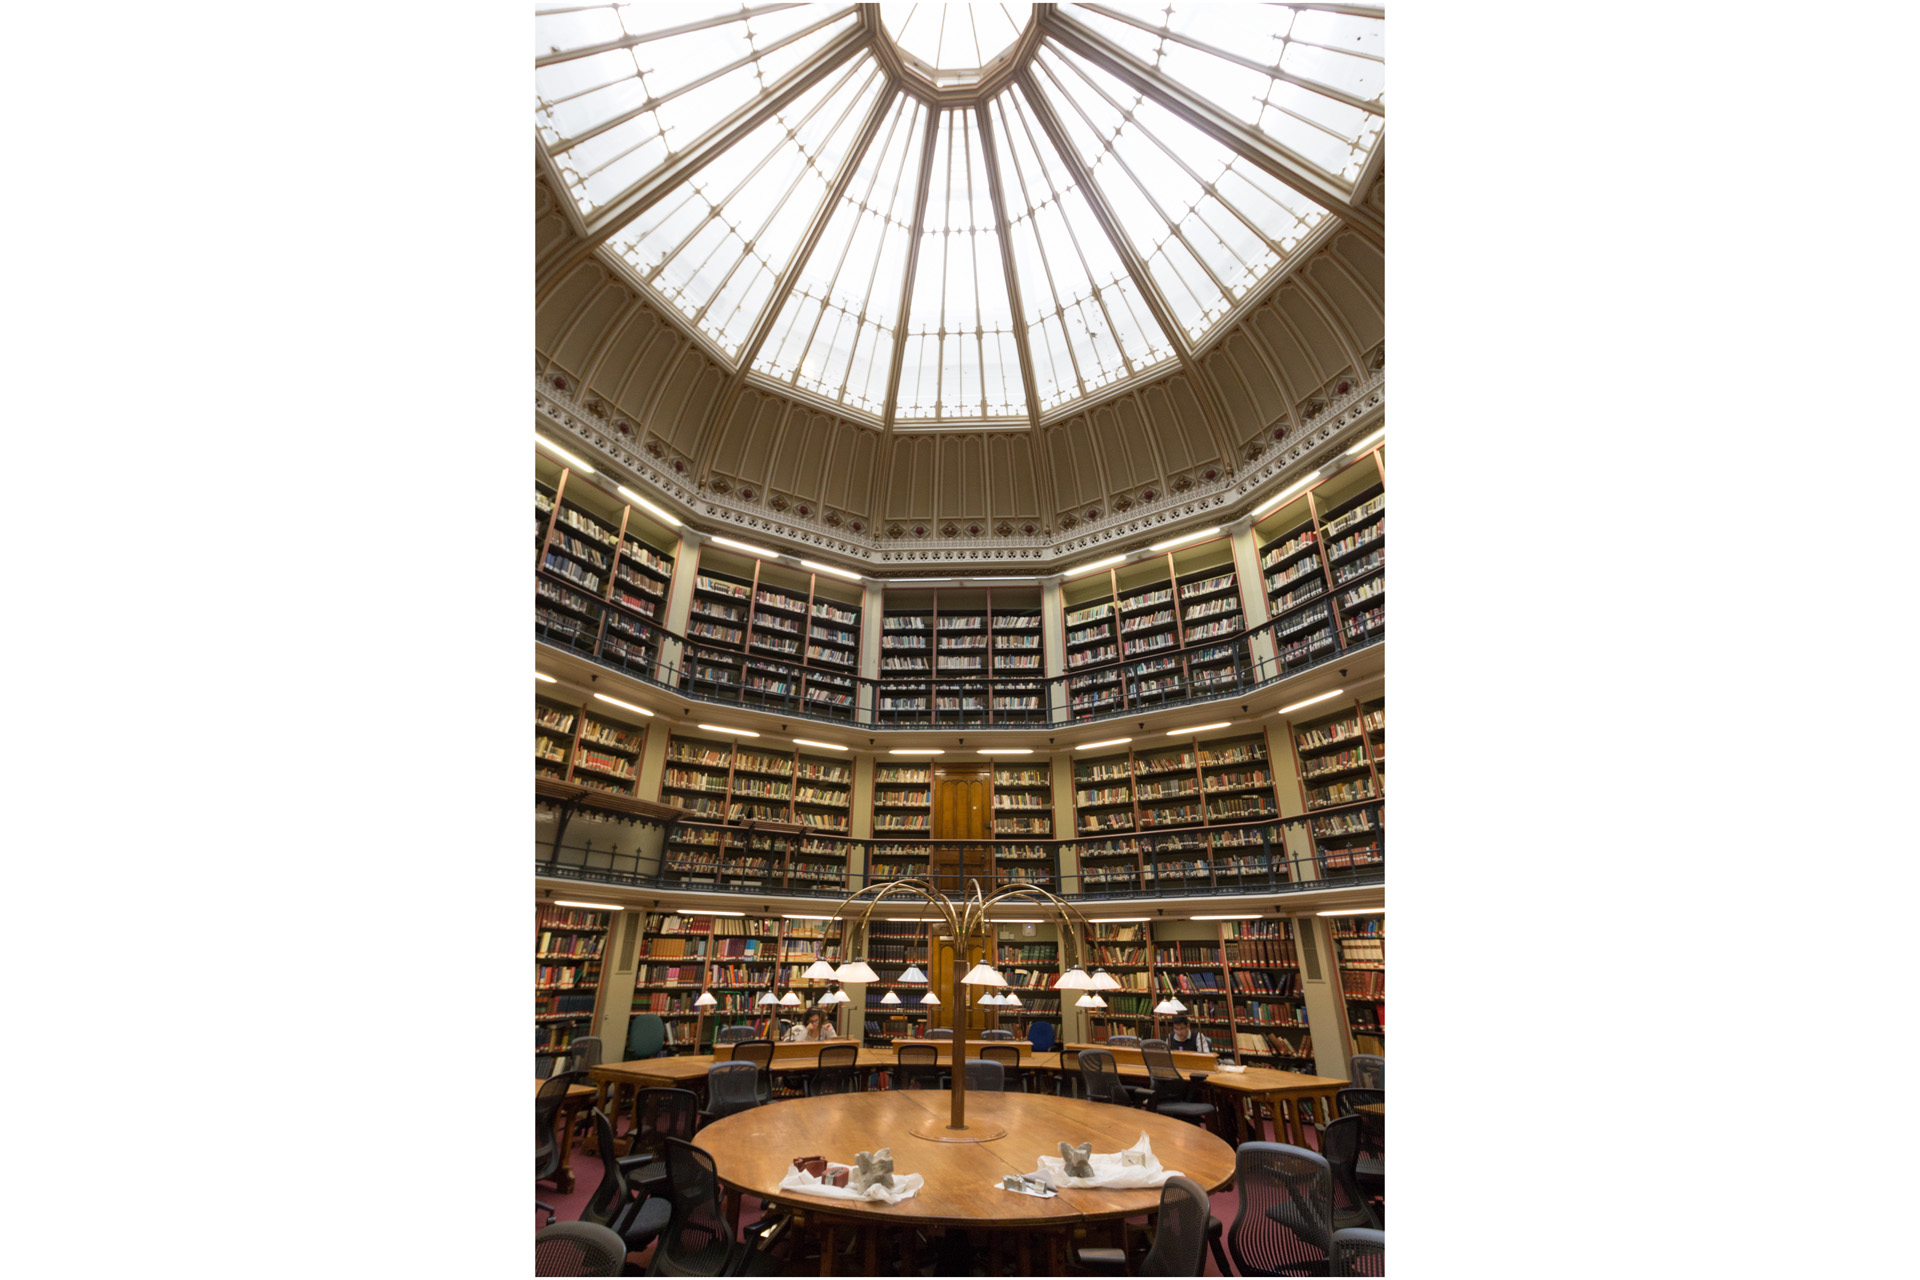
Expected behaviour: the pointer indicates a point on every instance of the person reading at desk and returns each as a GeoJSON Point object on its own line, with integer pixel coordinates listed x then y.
{"type": "Point", "coordinates": [816, 1027]}
{"type": "Point", "coordinates": [1185, 1039]}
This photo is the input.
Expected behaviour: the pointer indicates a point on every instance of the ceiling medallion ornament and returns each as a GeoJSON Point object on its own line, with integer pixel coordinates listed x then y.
{"type": "Point", "coordinates": [1005, 528]}
{"type": "Point", "coordinates": [948, 530]}
{"type": "Point", "coordinates": [779, 501]}
{"type": "Point", "coordinates": [835, 519]}
{"type": "Point", "coordinates": [1123, 503]}
{"type": "Point", "coordinates": [895, 531]}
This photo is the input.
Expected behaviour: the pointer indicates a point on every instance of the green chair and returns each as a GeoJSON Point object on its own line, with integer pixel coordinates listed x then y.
{"type": "Point", "coordinates": [646, 1035]}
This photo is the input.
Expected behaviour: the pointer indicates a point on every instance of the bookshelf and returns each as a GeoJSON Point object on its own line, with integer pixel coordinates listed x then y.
{"type": "Point", "coordinates": [556, 731]}
{"type": "Point", "coordinates": [1153, 632]}
{"type": "Point", "coordinates": [734, 957]}
{"type": "Point", "coordinates": [1267, 1005]}
{"type": "Point", "coordinates": [962, 656]}
{"type": "Point", "coordinates": [771, 635]}
{"type": "Point", "coordinates": [1323, 561]}
{"type": "Point", "coordinates": [902, 806]}
{"type": "Point", "coordinates": [892, 945]}
{"type": "Point", "coordinates": [1030, 966]}
{"type": "Point", "coordinates": [1125, 951]}
{"type": "Point", "coordinates": [1362, 945]}
{"type": "Point", "coordinates": [1352, 508]}
{"type": "Point", "coordinates": [602, 570]}
{"type": "Point", "coordinates": [1341, 784]}
{"type": "Point", "coordinates": [761, 817]}
{"type": "Point", "coordinates": [568, 950]}
{"type": "Point", "coordinates": [586, 746]}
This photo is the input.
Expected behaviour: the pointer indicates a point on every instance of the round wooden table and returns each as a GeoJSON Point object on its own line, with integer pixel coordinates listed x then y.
{"type": "Point", "coordinates": [753, 1150]}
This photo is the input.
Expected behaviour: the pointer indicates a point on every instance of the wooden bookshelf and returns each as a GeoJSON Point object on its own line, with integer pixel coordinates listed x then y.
{"type": "Point", "coordinates": [962, 656]}
{"type": "Point", "coordinates": [903, 803]}
{"type": "Point", "coordinates": [764, 818]}
{"type": "Point", "coordinates": [1153, 632]}
{"type": "Point", "coordinates": [556, 731]}
{"type": "Point", "coordinates": [585, 746]}
{"type": "Point", "coordinates": [568, 952]}
{"type": "Point", "coordinates": [892, 945]}
{"type": "Point", "coordinates": [1265, 1000]}
{"type": "Point", "coordinates": [1125, 951]}
{"type": "Point", "coordinates": [1018, 656]}
{"type": "Point", "coordinates": [1341, 785]}
{"type": "Point", "coordinates": [602, 570]}
{"type": "Point", "coordinates": [774, 635]}
{"type": "Point", "coordinates": [1362, 944]}
{"type": "Point", "coordinates": [1323, 559]}
{"type": "Point", "coordinates": [1030, 966]}
{"type": "Point", "coordinates": [736, 958]}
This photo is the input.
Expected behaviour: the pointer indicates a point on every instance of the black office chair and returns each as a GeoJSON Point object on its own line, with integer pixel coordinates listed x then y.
{"type": "Point", "coordinates": [985, 1076]}
{"type": "Point", "coordinates": [836, 1071]}
{"type": "Point", "coordinates": [940, 1033]}
{"type": "Point", "coordinates": [613, 1205]}
{"type": "Point", "coordinates": [658, 1114]}
{"type": "Point", "coordinates": [1369, 1071]}
{"type": "Point", "coordinates": [1179, 1237]}
{"type": "Point", "coordinates": [1171, 1093]}
{"type": "Point", "coordinates": [1340, 1144]}
{"type": "Point", "coordinates": [1285, 1222]}
{"type": "Point", "coordinates": [1358, 1251]}
{"type": "Point", "coordinates": [917, 1067]}
{"type": "Point", "coordinates": [760, 1054]}
{"type": "Point", "coordinates": [1126, 1042]}
{"type": "Point", "coordinates": [996, 1035]}
{"type": "Point", "coordinates": [1067, 1081]}
{"type": "Point", "coordinates": [698, 1240]}
{"type": "Point", "coordinates": [546, 1147]}
{"type": "Point", "coordinates": [582, 1053]}
{"type": "Point", "coordinates": [1102, 1078]}
{"type": "Point", "coordinates": [1009, 1059]}
{"type": "Point", "coordinates": [732, 1087]}
{"type": "Point", "coordinates": [578, 1249]}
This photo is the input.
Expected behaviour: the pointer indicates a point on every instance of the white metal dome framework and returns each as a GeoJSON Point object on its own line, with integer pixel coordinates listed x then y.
{"type": "Point", "coordinates": [988, 217]}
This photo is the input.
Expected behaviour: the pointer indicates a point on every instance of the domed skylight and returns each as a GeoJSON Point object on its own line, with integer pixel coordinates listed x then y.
{"type": "Point", "coordinates": [1088, 212]}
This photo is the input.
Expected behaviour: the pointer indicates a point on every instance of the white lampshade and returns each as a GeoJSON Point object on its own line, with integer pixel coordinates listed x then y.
{"type": "Point", "coordinates": [856, 971]}
{"type": "Point", "coordinates": [840, 997]}
{"type": "Point", "coordinates": [1090, 1001]}
{"type": "Point", "coordinates": [790, 999]}
{"type": "Point", "coordinates": [1103, 981]}
{"type": "Point", "coordinates": [819, 971]}
{"type": "Point", "coordinates": [1174, 1005]}
{"type": "Point", "coordinates": [984, 975]}
{"type": "Point", "coordinates": [1010, 1000]}
{"type": "Point", "coordinates": [767, 997]}
{"type": "Point", "coordinates": [913, 974]}
{"type": "Point", "coordinates": [889, 998]}
{"type": "Point", "coordinates": [929, 998]}
{"type": "Point", "coordinates": [1074, 979]}
{"type": "Point", "coordinates": [992, 997]}
{"type": "Point", "coordinates": [1165, 1006]}
{"type": "Point", "coordinates": [705, 1001]}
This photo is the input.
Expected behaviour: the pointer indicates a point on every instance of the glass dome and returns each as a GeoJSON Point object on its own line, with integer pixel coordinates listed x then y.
{"type": "Point", "coordinates": [993, 247]}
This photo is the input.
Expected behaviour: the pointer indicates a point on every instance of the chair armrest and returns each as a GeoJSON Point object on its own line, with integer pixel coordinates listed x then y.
{"type": "Point", "coordinates": [630, 1163]}
{"type": "Point", "coordinates": [1115, 1258]}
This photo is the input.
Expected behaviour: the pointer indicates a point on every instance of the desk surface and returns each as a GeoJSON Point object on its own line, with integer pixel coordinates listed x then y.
{"type": "Point", "coordinates": [753, 1150]}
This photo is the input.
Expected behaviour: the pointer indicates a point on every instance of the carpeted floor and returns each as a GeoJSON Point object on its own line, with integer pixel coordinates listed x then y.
{"type": "Point", "coordinates": [587, 1177]}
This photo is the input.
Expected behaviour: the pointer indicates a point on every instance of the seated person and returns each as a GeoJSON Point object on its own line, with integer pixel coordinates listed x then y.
{"type": "Point", "coordinates": [1184, 1039]}
{"type": "Point", "coordinates": [816, 1027]}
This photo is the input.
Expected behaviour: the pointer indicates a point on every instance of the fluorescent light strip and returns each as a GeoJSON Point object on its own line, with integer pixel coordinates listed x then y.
{"type": "Point", "coordinates": [591, 906]}
{"type": "Point", "coordinates": [827, 568]}
{"type": "Point", "coordinates": [1185, 537]}
{"type": "Point", "coordinates": [1014, 579]}
{"type": "Point", "coordinates": [738, 733]}
{"type": "Point", "coordinates": [701, 911]}
{"type": "Point", "coordinates": [1004, 751]}
{"type": "Point", "coordinates": [1122, 920]}
{"type": "Point", "coordinates": [1014, 921]}
{"type": "Point", "coordinates": [917, 751]}
{"type": "Point", "coordinates": [809, 742]}
{"type": "Point", "coordinates": [788, 917]}
{"type": "Point", "coordinates": [1307, 702]}
{"type": "Point", "coordinates": [1366, 444]}
{"type": "Point", "coordinates": [914, 920]}
{"type": "Point", "coordinates": [1199, 728]}
{"type": "Point", "coordinates": [628, 705]}
{"type": "Point", "coordinates": [914, 582]}
{"type": "Point", "coordinates": [1110, 742]}
{"type": "Point", "coordinates": [762, 552]}
{"type": "Point", "coordinates": [662, 512]}
{"type": "Point", "coordinates": [541, 675]}
{"type": "Point", "coordinates": [562, 454]}
{"type": "Point", "coordinates": [1274, 501]}
{"type": "Point", "coordinates": [1254, 916]}
{"type": "Point", "coordinates": [1089, 568]}
{"type": "Point", "coordinates": [1354, 911]}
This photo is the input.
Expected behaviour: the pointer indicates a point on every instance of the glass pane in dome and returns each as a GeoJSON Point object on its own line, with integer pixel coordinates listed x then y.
{"type": "Point", "coordinates": [1197, 44]}
{"type": "Point", "coordinates": [827, 335]}
{"type": "Point", "coordinates": [612, 117]}
{"type": "Point", "coordinates": [1066, 266]}
{"type": "Point", "coordinates": [951, 40]}
{"type": "Point", "coordinates": [715, 246]}
{"type": "Point", "coordinates": [960, 310]}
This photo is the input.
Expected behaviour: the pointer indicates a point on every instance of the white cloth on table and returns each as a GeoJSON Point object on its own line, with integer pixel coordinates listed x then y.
{"type": "Point", "coordinates": [904, 1185]}
{"type": "Point", "coordinates": [1109, 1169]}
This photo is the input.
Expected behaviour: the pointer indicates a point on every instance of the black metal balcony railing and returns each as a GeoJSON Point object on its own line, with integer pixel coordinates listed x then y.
{"type": "Point", "coordinates": [1236, 665]}
{"type": "Point", "coordinates": [1340, 847]}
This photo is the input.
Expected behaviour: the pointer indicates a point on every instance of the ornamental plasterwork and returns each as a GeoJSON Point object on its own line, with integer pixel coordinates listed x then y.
{"type": "Point", "coordinates": [1359, 406]}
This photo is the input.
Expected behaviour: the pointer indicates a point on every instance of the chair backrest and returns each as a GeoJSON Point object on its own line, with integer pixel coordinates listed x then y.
{"type": "Point", "coordinates": [1102, 1077]}
{"type": "Point", "coordinates": [1345, 1100]}
{"type": "Point", "coordinates": [610, 1198]}
{"type": "Point", "coordinates": [1369, 1070]}
{"type": "Point", "coordinates": [835, 1073]}
{"type": "Point", "coordinates": [1131, 1042]}
{"type": "Point", "coordinates": [546, 1105]}
{"type": "Point", "coordinates": [940, 1033]}
{"type": "Point", "coordinates": [732, 1035]}
{"type": "Point", "coordinates": [996, 1034]}
{"type": "Point", "coordinates": [985, 1074]}
{"type": "Point", "coordinates": [1041, 1035]}
{"type": "Point", "coordinates": [578, 1249]}
{"type": "Point", "coordinates": [1286, 1208]}
{"type": "Point", "coordinates": [758, 1052]}
{"type": "Point", "coordinates": [731, 1087]}
{"type": "Point", "coordinates": [659, 1114]}
{"type": "Point", "coordinates": [1359, 1251]}
{"type": "Point", "coordinates": [1008, 1056]}
{"type": "Point", "coordinates": [917, 1063]}
{"type": "Point", "coordinates": [1373, 1129]}
{"type": "Point", "coordinates": [582, 1053]}
{"type": "Point", "coordinates": [1159, 1060]}
{"type": "Point", "coordinates": [1180, 1236]}
{"type": "Point", "coordinates": [646, 1035]}
{"type": "Point", "coordinates": [698, 1241]}
{"type": "Point", "coordinates": [543, 1064]}
{"type": "Point", "coordinates": [1340, 1144]}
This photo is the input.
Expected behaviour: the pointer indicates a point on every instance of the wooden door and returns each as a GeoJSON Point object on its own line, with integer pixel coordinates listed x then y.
{"type": "Point", "coordinates": [942, 972]}
{"type": "Point", "coordinates": [962, 810]}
